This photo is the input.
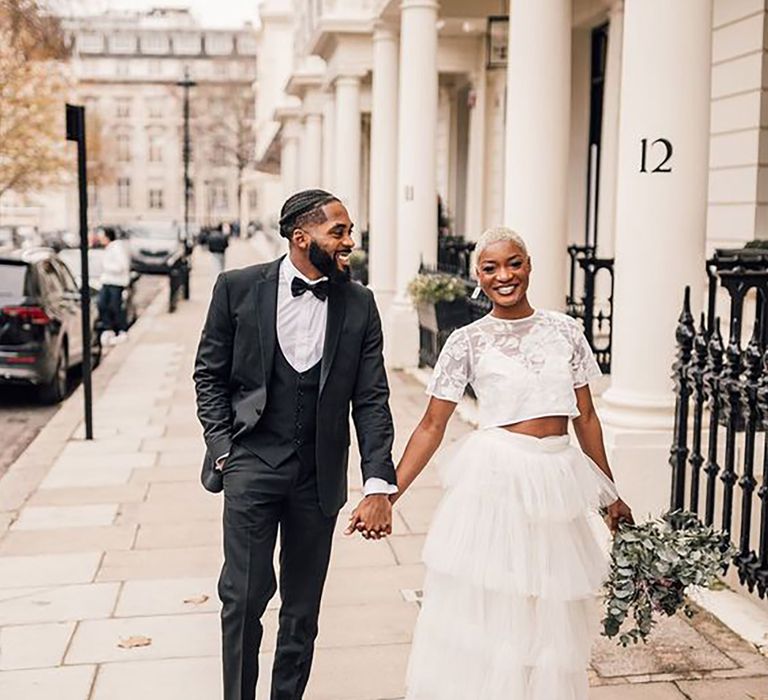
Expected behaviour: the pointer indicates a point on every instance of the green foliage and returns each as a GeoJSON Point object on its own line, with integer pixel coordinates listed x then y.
{"type": "Point", "coordinates": [653, 564]}
{"type": "Point", "coordinates": [430, 289]}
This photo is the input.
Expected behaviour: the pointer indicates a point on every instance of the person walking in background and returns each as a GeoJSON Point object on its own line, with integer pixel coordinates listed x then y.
{"type": "Point", "coordinates": [217, 246]}
{"type": "Point", "coordinates": [115, 277]}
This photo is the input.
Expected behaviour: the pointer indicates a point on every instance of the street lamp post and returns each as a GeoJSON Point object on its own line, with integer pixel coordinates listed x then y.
{"type": "Point", "coordinates": [185, 84]}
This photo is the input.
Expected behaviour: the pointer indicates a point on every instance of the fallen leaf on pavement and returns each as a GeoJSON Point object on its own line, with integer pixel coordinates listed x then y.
{"type": "Point", "coordinates": [135, 641]}
{"type": "Point", "coordinates": [197, 600]}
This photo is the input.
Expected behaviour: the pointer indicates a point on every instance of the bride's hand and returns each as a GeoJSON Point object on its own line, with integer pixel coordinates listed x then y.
{"type": "Point", "coordinates": [617, 512]}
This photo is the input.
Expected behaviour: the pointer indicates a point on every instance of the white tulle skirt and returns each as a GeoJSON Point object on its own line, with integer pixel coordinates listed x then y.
{"type": "Point", "coordinates": [515, 557]}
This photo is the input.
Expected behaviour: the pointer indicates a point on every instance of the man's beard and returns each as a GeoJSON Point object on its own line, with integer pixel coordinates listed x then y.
{"type": "Point", "coordinates": [326, 264]}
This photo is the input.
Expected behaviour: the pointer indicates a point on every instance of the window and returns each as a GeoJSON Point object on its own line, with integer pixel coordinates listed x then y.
{"type": "Point", "coordinates": [154, 43]}
{"type": "Point", "coordinates": [90, 43]}
{"type": "Point", "coordinates": [124, 107]}
{"type": "Point", "coordinates": [155, 107]}
{"type": "Point", "coordinates": [124, 192]}
{"type": "Point", "coordinates": [220, 196]}
{"type": "Point", "coordinates": [219, 153]}
{"type": "Point", "coordinates": [186, 44]}
{"type": "Point", "coordinates": [155, 149]}
{"type": "Point", "coordinates": [122, 43]}
{"type": "Point", "coordinates": [123, 148]}
{"type": "Point", "coordinates": [93, 196]}
{"type": "Point", "coordinates": [218, 44]}
{"type": "Point", "coordinates": [253, 199]}
{"type": "Point", "coordinates": [155, 198]}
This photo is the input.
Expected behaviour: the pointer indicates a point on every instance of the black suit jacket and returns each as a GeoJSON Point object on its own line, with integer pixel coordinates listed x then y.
{"type": "Point", "coordinates": [234, 364]}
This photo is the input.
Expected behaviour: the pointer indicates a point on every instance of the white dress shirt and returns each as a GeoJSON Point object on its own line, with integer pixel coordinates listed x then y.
{"type": "Point", "coordinates": [301, 325]}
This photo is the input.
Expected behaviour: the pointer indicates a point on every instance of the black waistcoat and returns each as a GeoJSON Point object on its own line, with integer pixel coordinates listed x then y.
{"type": "Point", "coordinates": [289, 421]}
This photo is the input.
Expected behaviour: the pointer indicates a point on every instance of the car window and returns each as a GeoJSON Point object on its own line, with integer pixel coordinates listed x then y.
{"type": "Point", "coordinates": [69, 281]}
{"type": "Point", "coordinates": [54, 284]}
{"type": "Point", "coordinates": [14, 281]}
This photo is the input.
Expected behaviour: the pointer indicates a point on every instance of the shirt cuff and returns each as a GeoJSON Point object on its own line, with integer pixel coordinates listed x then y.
{"type": "Point", "coordinates": [375, 486]}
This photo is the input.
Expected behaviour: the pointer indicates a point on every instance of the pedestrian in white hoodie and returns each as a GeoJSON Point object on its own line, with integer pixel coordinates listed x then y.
{"type": "Point", "coordinates": [115, 277]}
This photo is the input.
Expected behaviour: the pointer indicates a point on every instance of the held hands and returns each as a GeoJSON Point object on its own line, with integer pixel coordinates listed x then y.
{"type": "Point", "coordinates": [618, 512]}
{"type": "Point", "coordinates": [372, 518]}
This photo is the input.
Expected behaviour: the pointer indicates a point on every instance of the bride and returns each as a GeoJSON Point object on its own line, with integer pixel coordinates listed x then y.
{"type": "Point", "coordinates": [513, 563]}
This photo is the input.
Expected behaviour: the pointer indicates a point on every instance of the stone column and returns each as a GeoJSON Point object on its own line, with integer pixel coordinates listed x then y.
{"type": "Point", "coordinates": [417, 180]}
{"type": "Point", "coordinates": [312, 151]}
{"type": "Point", "coordinates": [609, 156]}
{"type": "Point", "coordinates": [289, 156]}
{"type": "Point", "coordinates": [329, 113]}
{"type": "Point", "coordinates": [347, 144]}
{"type": "Point", "coordinates": [537, 140]}
{"type": "Point", "coordinates": [475, 157]}
{"type": "Point", "coordinates": [383, 180]}
{"type": "Point", "coordinates": [660, 229]}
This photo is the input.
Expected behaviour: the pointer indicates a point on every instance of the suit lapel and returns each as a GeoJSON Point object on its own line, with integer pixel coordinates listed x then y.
{"type": "Point", "coordinates": [265, 299]}
{"type": "Point", "coordinates": [337, 302]}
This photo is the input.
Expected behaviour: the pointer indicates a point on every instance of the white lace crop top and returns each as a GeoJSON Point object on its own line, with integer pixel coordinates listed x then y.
{"type": "Point", "coordinates": [519, 369]}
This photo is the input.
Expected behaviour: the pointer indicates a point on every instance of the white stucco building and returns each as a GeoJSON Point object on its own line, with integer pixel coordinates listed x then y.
{"type": "Point", "coordinates": [126, 65]}
{"type": "Point", "coordinates": [634, 126]}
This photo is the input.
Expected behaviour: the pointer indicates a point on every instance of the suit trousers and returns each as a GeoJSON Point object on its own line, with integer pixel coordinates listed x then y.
{"type": "Point", "coordinates": [259, 501]}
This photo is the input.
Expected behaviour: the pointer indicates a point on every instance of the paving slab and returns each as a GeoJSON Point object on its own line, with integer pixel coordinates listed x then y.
{"type": "Point", "coordinates": [78, 539]}
{"type": "Point", "coordinates": [161, 563]}
{"type": "Point", "coordinates": [172, 637]}
{"type": "Point", "coordinates": [70, 477]}
{"type": "Point", "coordinates": [359, 673]}
{"type": "Point", "coordinates": [86, 495]}
{"type": "Point", "coordinates": [34, 646]}
{"type": "Point", "coordinates": [63, 683]}
{"type": "Point", "coordinates": [734, 689]}
{"type": "Point", "coordinates": [194, 533]}
{"type": "Point", "coordinates": [179, 679]}
{"type": "Point", "coordinates": [55, 517]}
{"type": "Point", "coordinates": [19, 606]}
{"type": "Point", "coordinates": [175, 596]}
{"type": "Point", "coordinates": [674, 647]}
{"type": "Point", "coordinates": [48, 569]}
{"type": "Point", "coordinates": [371, 624]}
{"type": "Point", "coordinates": [646, 691]}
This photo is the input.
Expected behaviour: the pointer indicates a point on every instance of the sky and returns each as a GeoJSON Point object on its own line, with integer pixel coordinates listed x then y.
{"type": "Point", "coordinates": [210, 13]}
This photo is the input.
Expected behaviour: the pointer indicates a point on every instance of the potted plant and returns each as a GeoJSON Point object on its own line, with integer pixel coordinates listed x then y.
{"type": "Point", "coordinates": [440, 301]}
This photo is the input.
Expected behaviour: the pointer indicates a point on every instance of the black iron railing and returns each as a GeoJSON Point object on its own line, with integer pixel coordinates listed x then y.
{"type": "Point", "coordinates": [596, 313]}
{"type": "Point", "coordinates": [721, 407]}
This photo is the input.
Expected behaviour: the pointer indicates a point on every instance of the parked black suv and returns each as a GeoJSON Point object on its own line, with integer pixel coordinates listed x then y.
{"type": "Point", "coordinates": [40, 322]}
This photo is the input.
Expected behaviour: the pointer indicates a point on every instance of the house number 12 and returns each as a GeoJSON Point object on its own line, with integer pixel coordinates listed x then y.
{"type": "Point", "coordinates": [660, 168]}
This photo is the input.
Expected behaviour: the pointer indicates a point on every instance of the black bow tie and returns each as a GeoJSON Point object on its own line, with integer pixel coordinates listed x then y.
{"type": "Point", "coordinates": [319, 289]}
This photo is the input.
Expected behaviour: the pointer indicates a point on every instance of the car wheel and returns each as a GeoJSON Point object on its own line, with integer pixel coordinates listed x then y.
{"type": "Point", "coordinates": [56, 389]}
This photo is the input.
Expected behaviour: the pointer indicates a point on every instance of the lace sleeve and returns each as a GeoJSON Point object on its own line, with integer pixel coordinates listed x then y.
{"type": "Point", "coordinates": [453, 370]}
{"type": "Point", "coordinates": [584, 367]}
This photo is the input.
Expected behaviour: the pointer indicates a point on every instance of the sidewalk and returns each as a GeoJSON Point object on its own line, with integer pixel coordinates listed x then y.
{"type": "Point", "coordinates": [110, 550]}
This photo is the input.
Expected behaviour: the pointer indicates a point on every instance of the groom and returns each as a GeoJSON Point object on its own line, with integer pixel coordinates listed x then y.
{"type": "Point", "coordinates": [286, 348]}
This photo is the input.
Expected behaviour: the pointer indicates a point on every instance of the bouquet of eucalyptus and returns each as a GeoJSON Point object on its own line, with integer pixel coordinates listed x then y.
{"type": "Point", "coordinates": [653, 564]}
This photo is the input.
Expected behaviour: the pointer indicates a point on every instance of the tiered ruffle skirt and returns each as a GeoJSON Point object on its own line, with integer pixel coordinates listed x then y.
{"type": "Point", "coordinates": [515, 557]}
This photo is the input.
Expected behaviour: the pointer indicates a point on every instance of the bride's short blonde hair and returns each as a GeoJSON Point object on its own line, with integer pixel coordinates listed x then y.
{"type": "Point", "coordinates": [496, 234]}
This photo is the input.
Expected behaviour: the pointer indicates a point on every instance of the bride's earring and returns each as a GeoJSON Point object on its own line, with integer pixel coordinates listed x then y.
{"type": "Point", "coordinates": [476, 292]}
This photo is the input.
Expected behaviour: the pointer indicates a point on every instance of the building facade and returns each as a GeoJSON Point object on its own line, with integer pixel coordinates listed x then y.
{"type": "Point", "coordinates": [634, 130]}
{"type": "Point", "coordinates": [127, 66]}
